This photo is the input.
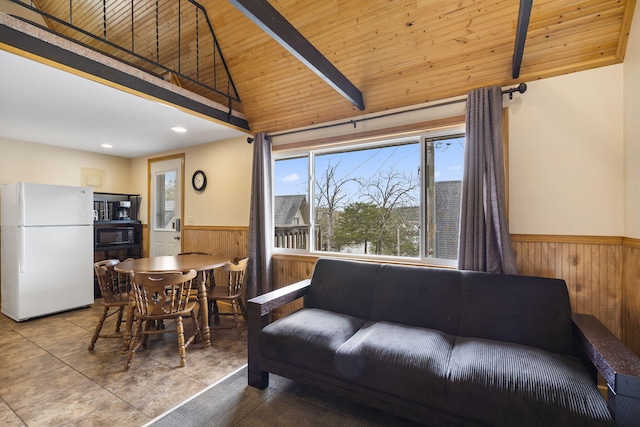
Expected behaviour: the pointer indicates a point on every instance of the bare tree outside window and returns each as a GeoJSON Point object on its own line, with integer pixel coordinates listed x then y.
{"type": "Point", "coordinates": [331, 196]}
{"type": "Point", "coordinates": [389, 192]}
{"type": "Point", "coordinates": [359, 194]}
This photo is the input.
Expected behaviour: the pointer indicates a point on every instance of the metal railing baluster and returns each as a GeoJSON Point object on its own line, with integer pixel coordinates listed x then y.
{"type": "Point", "coordinates": [142, 59]}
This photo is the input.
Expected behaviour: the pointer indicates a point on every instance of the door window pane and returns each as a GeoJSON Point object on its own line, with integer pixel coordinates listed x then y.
{"type": "Point", "coordinates": [165, 199]}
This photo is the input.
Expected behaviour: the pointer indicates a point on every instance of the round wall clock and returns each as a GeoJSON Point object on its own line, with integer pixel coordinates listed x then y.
{"type": "Point", "coordinates": [199, 180]}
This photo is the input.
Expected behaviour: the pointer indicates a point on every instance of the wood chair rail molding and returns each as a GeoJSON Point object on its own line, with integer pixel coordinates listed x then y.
{"type": "Point", "coordinates": [216, 227]}
{"type": "Point", "coordinates": [532, 238]}
{"type": "Point", "coordinates": [629, 242]}
{"type": "Point", "coordinates": [557, 238]}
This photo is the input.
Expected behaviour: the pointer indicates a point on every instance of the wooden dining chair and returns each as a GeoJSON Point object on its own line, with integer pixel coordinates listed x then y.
{"type": "Point", "coordinates": [159, 297]}
{"type": "Point", "coordinates": [232, 293]}
{"type": "Point", "coordinates": [202, 275]}
{"type": "Point", "coordinates": [114, 288]}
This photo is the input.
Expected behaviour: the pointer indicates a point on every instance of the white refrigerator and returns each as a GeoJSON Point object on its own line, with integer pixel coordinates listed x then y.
{"type": "Point", "coordinates": [47, 249]}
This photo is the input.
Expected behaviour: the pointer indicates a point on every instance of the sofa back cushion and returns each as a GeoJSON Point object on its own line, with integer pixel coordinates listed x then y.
{"type": "Point", "coordinates": [343, 286]}
{"type": "Point", "coordinates": [418, 296]}
{"type": "Point", "coordinates": [531, 311]}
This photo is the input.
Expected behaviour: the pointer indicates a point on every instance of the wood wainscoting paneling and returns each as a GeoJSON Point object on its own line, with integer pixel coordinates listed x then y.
{"type": "Point", "coordinates": [225, 241]}
{"type": "Point", "coordinates": [631, 293]}
{"type": "Point", "coordinates": [229, 242]}
{"type": "Point", "coordinates": [602, 273]}
{"type": "Point", "coordinates": [591, 267]}
{"type": "Point", "coordinates": [288, 269]}
{"type": "Point", "coordinates": [145, 240]}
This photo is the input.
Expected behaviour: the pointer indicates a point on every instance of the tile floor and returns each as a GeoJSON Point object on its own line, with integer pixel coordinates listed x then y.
{"type": "Point", "coordinates": [49, 378]}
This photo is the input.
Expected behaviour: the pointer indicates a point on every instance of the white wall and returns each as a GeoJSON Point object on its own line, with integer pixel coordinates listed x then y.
{"type": "Point", "coordinates": [566, 160]}
{"type": "Point", "coordinates": [46, 164]}
{"type": "Point", "coordinates": [573, 171]}
{"type": "Point", "coordinates": [632, 131]}
{"type": "Point", "coordinates": [226, 200]}
{"type": "Point", "coordinates": [566, 155]}
{"type": "Point", "coordinates": [566, 152]}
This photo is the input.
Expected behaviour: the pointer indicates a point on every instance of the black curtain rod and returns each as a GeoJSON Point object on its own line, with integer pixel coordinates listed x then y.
{"type": "Point", "coordinates": [521, 88]}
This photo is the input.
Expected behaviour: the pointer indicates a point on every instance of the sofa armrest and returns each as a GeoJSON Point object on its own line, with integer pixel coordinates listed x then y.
{"type": "Point", "coordinates": [618, 365]}
{"type": "Point", "coordinates": [266, 303]}
{"type": "Point", "coordinates": [258, 316]}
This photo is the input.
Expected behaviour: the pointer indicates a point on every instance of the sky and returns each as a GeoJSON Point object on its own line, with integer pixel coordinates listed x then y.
{"type": "Point", "coordinates": [291, 176]}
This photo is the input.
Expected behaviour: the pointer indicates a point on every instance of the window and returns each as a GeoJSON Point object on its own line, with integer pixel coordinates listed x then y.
{"type": "Point", "coordinates": [165, 201]}
{"type": "Point", "coordinates": [372, 199]}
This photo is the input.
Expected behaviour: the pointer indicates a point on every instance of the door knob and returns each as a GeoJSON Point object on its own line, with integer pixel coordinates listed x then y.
{"type": "Point", "coordinates": [176, 237]}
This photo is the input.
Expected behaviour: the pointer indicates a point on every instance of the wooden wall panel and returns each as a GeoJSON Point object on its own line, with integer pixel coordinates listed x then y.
{"type": "Point", "coordinates": [592, 269]}
{"type": "Point", "coordinates": [229, 242]}
{"type": "Point", "coordinates": [602, 273]}
{"type": "Point", "coordinates": [145, 240]}
{"type": "Point", "coordinates": [631, 294]}
{"type": "Point", "coordinates": [233, 241]}
{"type": "Point", "coordinates": [287, 270]}
{"type": "Point", "coordinates": [225, 241]}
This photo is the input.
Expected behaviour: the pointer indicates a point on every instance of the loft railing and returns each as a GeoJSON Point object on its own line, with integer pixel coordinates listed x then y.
{"type": "Point", "coordinates": [171, 39]}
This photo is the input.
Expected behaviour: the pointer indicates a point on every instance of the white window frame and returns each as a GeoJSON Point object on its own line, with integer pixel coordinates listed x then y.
{"type": "Point", "coordinates": [311, 152]}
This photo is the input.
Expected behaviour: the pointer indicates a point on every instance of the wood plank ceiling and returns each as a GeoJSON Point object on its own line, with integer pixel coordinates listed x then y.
{"type": "Point", "coordinates": [397, 53]}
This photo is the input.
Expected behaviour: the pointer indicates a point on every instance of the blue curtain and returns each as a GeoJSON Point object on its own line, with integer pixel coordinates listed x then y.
{"type": "Point", "coordinates": [485, 243]}
{"type": "Point", "coordinates": [260, 220]}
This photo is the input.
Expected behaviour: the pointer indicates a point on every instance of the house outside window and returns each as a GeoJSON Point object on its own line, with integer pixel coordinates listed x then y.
{"type": "Point", "coordinates": [396, 198]}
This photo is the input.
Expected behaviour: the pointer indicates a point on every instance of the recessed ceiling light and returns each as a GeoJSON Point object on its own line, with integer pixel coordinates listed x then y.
{"type": "Point", "coordinates": [178, 129]}
{"type": "Point", "coordinates": [106, 145]}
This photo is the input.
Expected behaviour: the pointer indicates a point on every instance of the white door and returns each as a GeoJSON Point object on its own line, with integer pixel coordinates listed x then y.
{"type": "Point", "coordinates": [166, 207]}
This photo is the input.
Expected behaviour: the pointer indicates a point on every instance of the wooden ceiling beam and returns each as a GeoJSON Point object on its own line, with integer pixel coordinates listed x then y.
{"type": "Point", "coordinates": [274, 24]}
{"type": "Point", "coordinates": [521, 36]}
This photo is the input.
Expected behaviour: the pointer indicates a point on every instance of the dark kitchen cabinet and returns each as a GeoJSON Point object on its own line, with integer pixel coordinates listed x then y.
{"type": "Point", "coordinates": [117, 229]}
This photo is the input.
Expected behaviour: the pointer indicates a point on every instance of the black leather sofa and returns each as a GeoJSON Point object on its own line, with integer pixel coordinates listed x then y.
{"type": "Point", "coordinates": [445, 347]}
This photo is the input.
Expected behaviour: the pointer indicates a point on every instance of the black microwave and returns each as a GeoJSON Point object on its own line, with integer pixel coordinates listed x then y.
{"type": "Point", "coordinates": [115, 236]}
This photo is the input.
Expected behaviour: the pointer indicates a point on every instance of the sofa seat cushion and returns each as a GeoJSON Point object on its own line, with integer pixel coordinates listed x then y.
{"type": "Point", "coordinates": [483, 381]}
{"type": "Point", "coordinates": [499, 383]}
{"type": "Point", "coordinates": [308, 338]}
{"type": "Point", "coordinates": [404, 361]}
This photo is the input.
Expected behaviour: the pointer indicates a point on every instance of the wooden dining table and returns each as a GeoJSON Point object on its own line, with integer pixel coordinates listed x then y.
{"type": "Point", "coordinates": [158, 264]}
